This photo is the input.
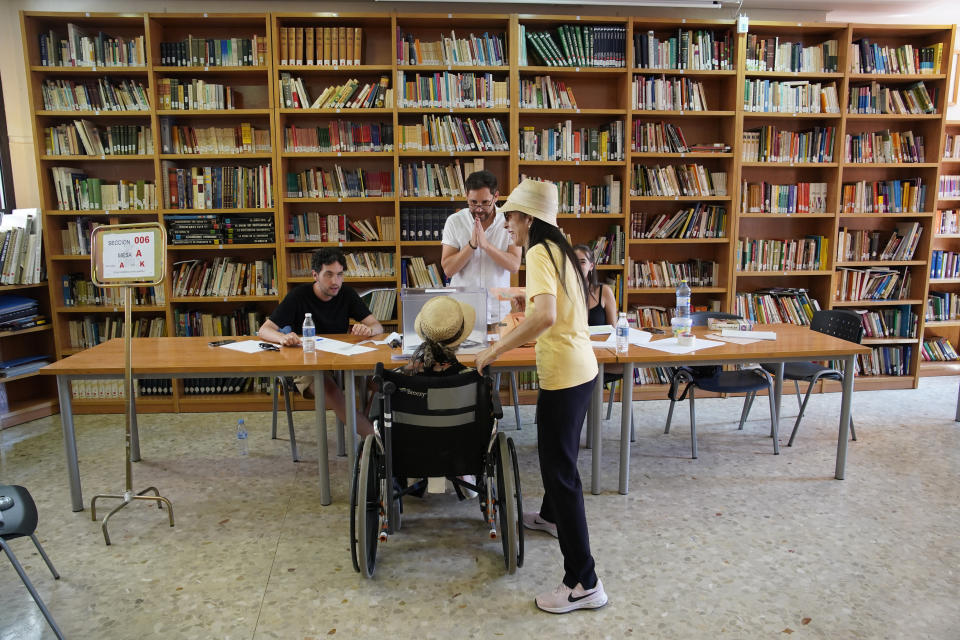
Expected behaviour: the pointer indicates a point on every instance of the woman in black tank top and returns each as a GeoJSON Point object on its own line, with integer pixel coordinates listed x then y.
{"type": "Point", "coordinates": [601, 303]}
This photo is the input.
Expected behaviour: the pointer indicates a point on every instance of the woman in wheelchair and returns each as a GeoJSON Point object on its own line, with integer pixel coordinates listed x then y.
{"type": "Point", "coordinates": [556, 317]}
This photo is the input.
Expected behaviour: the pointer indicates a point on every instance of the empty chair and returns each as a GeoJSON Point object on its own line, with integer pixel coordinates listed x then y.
{"type": "Point", "coordinates": [714, 378]}
{"type": "Point", "coordinates": [18, 519]}
{"type": "Point", "coordinates": [839, 323]}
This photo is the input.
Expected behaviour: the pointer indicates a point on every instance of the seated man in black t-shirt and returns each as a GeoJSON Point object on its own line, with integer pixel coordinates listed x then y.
{"type": "Point", "coordinates": [332, 304]}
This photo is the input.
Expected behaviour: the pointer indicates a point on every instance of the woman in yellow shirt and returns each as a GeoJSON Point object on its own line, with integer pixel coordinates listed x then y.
{"type": "Point", "coordinates": [556, 317]}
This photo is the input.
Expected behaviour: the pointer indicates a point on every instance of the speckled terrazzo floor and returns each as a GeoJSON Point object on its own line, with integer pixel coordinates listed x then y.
{"type": "Point", "coordinates": [737, 544]}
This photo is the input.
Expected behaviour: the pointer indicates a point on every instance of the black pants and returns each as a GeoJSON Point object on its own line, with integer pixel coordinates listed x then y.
{"type": "Point", "coordinates": [560, 415]}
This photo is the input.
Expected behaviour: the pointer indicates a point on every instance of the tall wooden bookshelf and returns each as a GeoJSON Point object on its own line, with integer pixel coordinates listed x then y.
{"type": "Point", "coordinates": [605, 101]}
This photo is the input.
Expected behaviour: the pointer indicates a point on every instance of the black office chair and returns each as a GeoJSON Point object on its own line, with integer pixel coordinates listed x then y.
{"type": "Point", "coordinates": [714, 378]}
{"type": "Point", "coordinates": [838, 323]}
{"type": "Point", "coordinates": [18, 519]}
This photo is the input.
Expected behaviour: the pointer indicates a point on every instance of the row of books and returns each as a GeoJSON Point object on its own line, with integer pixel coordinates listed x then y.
{"type": "Point", "coordinates": [241, 138]}
{"type": "Point", "coordinates": [370, 264]}
{"type": "Point", "coordinates": [83, 138]}
{"type": "Point", "coordinates": [24, 365]}
{"type": "Point", "coordinates": [610, 248]}
{"type": "Point", "coordinates": [861, 245]}
{"type": "Point", "coordinates": [698, 221]}
{"type": "Point", "coordinates": [884, 146]}
{"type": "Point", "coordinates": [657, 137]}
{"type": "Point", "coordinates": [94, 94]}
{"type": "Point", "coordinates": [223, 277]}
{"type": "Point", "coordinates": [942, 305]}
{"type": "Point", "coordinates": [891, 322]}
{"type": "Point", "coordinates": [243, 321]}
{"type": "Point", "coordinates": [677, 180]}
{"type": "Point", "coordinates": [214, 52]}
{"type": "Point", "coordinates": [416, 273]}
{"type": "Point", "coordinates": [19, 312]}
{"type": "Point", "coordinates": [112, 389]}
{"type": "Point", "coordinates": [431, 179]}
{"type": "Point", "coordinates": [91, 330]}
{"type": "Point", "coordinates": [78, 290]}
{"type": "Point", "coordinates": [381, 302]}
{"type": "Point", "coordinates": [564, 142]}
{"type": "Point", "coordinates": [316, 227]}
{"type": "Point", "coordinates": [945, 222]}
{"type": "Point", "coordinates": [949, 187]}
{"type": "Point", "coordinates": [951, 148]}
{"type": "Point", "coordinates": [75, 238]}
{"type": "Point", "coordinates": [771, 144]}
{"type": "Point", "coordinates": [770, 54]}
{"type": "Point", "coordinates": [699, 49]}
{"type": "Point", "coordinates": [944, 265]}
{"type": "Point", "coordinates": [777, 305]}
{"type": "Point", "coordinates": [450, 133]}
{"type": "Point", "coordinates": [349, 95]}
{"type": "Point", "coordinates": [938, 349]}
{"type": "Point", "coordinates": [321, 46]}
{"type": "Point", "coordinates": [422, 224]}
{"type": "Point", "coordinates": [795, 254]}
{"type": "Point", "coordinates": [339, 135]}
{"type": "Point", "coordinates": [21, 242]}
{"type": "Point", "coordinates": [644, 315]}
{"type": "Point", "coordinates": [185, 94]}
{"type": "Point", "coordinates": [542, 92]}
{"type": "Point", "coordinates": [869, 57]}
{"type": "Point", "coordinates": [79, 49]}
{"type": "Point", "coordinates": [217, 187]}
{"type": "Point", "coordinates": [583, 198]}
{"type": "Point", "coordinates": [340, 182]}
{"type": "Point", "coordinates": [790, 96]}
{"type": "Point", "coordinates": [580, 46]}
{"type": "Point", "coordinates": [874, 283]}
{"type": "Point", "coordinates": [211, 386]}
{"type": "Point", "coordinates": [802, 197]}
{"type": "Point", "coordinates": [885, 361]}
{"type": "Point", "coordinates": [661, 273]}
{"type": "Point", "coordinates": [77, 191]}
{"type": "Point", "coordinates": [485, 50]}
{"type": "Point", "coordinates": [211, 229]}
{"type": "Point", "coordinates": [876, 98]}
{"type": "Point", "coordinates": [884, 196]}
{"type": "Point", "coordinates": [652, 93]}
{"type": "Point", "coordinates": [452, 90]}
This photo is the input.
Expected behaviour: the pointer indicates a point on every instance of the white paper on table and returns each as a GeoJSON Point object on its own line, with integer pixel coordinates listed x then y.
{"type": "Point", "coordinates": [390, 338]}
{"type": "Point", "coordinates": [339, 347]}
{"type": "Point", "coordinates": [669, 345]}
{"type": "Point", "coordinates": [756, 335]}
{"type": "Point", "coordinates": [639, 337]}
{"type": "Point", "coordinates": [246, 346]}
{"type": "Point", "coordinates": [598, 329]}
{"type": "Point", "coordinates": [733, 340]}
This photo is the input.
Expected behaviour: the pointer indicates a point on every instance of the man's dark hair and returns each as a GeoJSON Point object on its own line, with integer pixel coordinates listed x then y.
{"type": "Point", "coordinates": [480, 179]}
{"type": "Point", "coordinates": [327, 255]}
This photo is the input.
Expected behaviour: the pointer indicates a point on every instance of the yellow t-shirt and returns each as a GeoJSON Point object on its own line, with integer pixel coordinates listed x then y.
{"type": "Point", "coordinates": [565, 356]}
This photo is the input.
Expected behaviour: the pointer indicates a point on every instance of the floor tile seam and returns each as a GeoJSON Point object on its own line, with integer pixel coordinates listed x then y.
{"type": "Point", "coordinates": [276, 549]}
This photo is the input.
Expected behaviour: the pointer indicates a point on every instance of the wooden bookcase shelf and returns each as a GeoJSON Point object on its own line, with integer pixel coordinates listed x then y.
{"type": "Point", "coordinates": [604, 99]}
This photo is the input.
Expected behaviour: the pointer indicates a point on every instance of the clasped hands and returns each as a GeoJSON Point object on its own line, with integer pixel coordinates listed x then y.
{"type": "Point", "coordinates": [478, 240]}
{"type": "Point", "coordinates": [293, 340]}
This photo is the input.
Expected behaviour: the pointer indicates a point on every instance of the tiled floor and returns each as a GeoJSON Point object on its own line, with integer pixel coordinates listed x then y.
{"type": "Point", "coordinates": [737, 544]}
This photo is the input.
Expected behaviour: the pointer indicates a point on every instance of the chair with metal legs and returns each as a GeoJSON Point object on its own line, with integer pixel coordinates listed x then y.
{"type": "Point", "coordinates": [513, 393]}
{"type": "Point", "coordinates": [18, 519]}
{"type": "Point", "coordinates": [285, 383]}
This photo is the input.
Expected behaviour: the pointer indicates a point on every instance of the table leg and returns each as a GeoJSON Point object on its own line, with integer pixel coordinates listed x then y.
{"type": "Point", "coordinates": [69, 442]}
{"type": "Point", "coordinates": [320, 413]}
{"type": "Point", "coordinates": [848, 365]}
{"type": "Point", "coordinates": [626, 407]}
{"type": "Point", "coordinates": [350, 389]}
{"type": "Point", "coordinates": [593, 431]}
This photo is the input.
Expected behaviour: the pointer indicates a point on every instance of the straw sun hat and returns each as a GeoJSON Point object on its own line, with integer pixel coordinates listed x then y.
{"type": "Point", "coordinates": [534, 198]}
{"type": "Point", "coordinates": [446, 320]}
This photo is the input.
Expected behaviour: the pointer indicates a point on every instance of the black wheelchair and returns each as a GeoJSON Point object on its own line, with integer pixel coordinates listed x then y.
{"type": "Point", "coordinates": [434, 427]}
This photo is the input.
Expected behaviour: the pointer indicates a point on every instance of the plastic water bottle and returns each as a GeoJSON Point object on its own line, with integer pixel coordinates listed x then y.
{"type": "Point", "coordinates": [309, 335]}
{"type": "Point", "coordinates": [623, 333]}
{"type": "Point", "coordinates": [242, 448]}
{"type": "Point", "coordinates": [683, 299]}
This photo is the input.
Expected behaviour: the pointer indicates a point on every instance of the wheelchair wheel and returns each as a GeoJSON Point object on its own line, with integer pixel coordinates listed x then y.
{"type": "Point", "coordinates": [519, 491]}
{"type": "Point", "coordinates": [369, 499]}
{"type": "Point", "coordinates": [506, 504]}
{"type": "Point", "coordinates": [353, 510]}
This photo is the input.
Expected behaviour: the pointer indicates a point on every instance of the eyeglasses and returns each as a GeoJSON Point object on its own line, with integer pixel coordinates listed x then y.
{"type": "Point", "coordinates": [266, 346]}
{"type": "Point", "coordinates": [486, 204]}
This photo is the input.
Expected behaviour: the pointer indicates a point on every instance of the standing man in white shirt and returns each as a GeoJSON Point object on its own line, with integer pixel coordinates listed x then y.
{"type": "Point", "coordinates": [477, 251]}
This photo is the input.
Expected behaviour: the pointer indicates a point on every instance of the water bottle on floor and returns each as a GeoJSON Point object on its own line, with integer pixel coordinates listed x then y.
{"type": "Point", "coordinates": [242, 448]}
{"type": "Point", "coordinates": [309, 335]}
{"type": "Point", "coordinates": [623, 333]}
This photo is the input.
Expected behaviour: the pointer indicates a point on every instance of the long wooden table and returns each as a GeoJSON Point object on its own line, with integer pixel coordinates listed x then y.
{"type": "Point", "coordinates": [793, 344]}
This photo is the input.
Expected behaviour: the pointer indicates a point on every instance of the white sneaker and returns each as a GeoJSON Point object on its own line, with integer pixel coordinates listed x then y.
{"type": "Point", "coordinates": [563, 599]}
{"type": "Point", "coordinates": [532, 520]}
{"type": "Point", "coordinates": [468, 493]}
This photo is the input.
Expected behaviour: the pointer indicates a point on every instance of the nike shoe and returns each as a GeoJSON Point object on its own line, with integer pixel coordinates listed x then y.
{"type": "Point", "coordinates": [563, 599]}
{"type": "Point", "coordinates": [532, 520]}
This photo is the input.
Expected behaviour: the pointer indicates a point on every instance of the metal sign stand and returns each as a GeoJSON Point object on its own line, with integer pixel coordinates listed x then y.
{"type": "Point", "coordinates": [98, 271]}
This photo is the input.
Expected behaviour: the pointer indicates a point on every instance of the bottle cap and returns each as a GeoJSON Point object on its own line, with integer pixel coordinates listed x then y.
{"type": "Point", "coordinates": [241, 421]}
